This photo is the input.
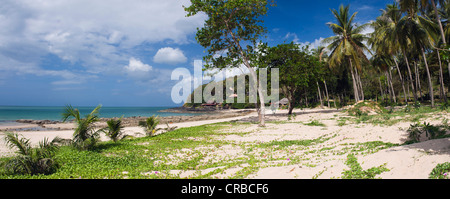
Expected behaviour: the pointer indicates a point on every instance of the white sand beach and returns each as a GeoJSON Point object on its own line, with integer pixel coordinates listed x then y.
{"type": "Point", "coordinates": [324, 161]}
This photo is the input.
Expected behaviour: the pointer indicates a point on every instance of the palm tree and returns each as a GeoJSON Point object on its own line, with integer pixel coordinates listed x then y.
{"type": "Point", "coordinates": [411, 26]}
{"type": "Point", "coordinates": [347, 45]}
{"type": "Point", "coordinates": [114, 129]}
{"type": "Point", "coordinates": [149, 125]}
{"type": "Point", "coordinates": [432, 3]}
{"type": "Point", "coordinates": [29, 160]}
{"type": "Point", "coordinates": [85, 135]}
{"type": "Point", "coordinates": [384, 40]}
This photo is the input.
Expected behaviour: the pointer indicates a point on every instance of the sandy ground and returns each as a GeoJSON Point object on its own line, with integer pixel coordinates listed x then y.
{"type": "Point", "coordinates": [323, 161]}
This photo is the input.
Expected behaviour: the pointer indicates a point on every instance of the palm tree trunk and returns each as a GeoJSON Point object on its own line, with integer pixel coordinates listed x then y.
{"type": "Point", "coordinates": [391, 85]}
{"type": "Point", "coordinates": [359, 84]}
{"type": "Point", "coordinates": [416, 68]}
{"type": "Point", "coordinates": [401, 79]}
{"type": "Point", "coordinates": [320, 95]}
{"type": "Point", "coordinates": [438, 19]}
{"type": "Point", "coordinates": [429, 77]}
{"type": "Point", "coordinates": [388, 84]}
{"type": "Point", "coordinates": [381, 88]}
{"type": "Point", "coordinates": [326, 91]}
{"type": "Point", "coordinates": [410, 75]}
{"type": "Point", "coordinates": [441, 78]}
{"type": "Point", "coordinates": [355, 87]}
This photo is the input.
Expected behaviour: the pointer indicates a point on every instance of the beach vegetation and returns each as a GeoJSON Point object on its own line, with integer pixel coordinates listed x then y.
{"type": "Point", "coordinates": [315, 123]}
{"type": "Point", "coordinates": [298, 70]}
{"type": "Point", "coordinates": [441, 171]}
{"type": "Point", "coordinates": [86, 135]}
{"type": "Point", "coordinates": [31, 160]}
{"type": "Point", "coordinates": [114, 130]}
{"type": "Point", "coordinates": [357, 172]}
{"type": "Point", "coordinates": [426, 131]}
{"type": "Point", "coordinates": [150, 125]}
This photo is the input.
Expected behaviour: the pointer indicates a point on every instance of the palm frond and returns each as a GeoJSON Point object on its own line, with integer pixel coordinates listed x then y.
{"type": "Point", "coordinates": [22, 144]}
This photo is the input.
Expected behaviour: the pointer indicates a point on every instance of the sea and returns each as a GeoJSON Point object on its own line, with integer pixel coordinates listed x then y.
{"type": "Point", "coordinates": [9, 114]}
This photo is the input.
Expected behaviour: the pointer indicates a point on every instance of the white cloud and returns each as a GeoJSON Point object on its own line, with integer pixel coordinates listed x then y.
{"type": "Point", "coordinates": [98, 35]}
{"type": "Point", "coordinates": [137, 66]}
{"type": "Point", "coordinates": [292, 36]}
{"type": "Point", "coordinates": [315, 44]}
{"type": "Point", "coordinates": [169, 55]}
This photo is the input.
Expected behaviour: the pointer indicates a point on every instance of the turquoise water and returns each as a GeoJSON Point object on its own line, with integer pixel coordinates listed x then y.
{"type": "Point", "coordinates": [12, 113]}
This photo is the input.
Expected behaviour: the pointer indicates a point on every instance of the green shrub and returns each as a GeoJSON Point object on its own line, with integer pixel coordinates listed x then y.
{"type": "Point", "coordinates": [416, 130]}
{"type": "Point", "coordinates": [149, 125]}
{"type": "Point", "coordinates": [441, 171]}
{"type": "Point", "coordinates": [29, 160]}
{"type": "Point", "coordinates": [114, 130]}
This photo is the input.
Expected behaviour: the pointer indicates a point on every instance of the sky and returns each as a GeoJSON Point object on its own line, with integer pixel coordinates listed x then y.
{"type": "Point", "coordinates": [122, 52]}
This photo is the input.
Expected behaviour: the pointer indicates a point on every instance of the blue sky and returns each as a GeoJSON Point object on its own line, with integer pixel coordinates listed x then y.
{"type": "Point", "coordinates": [122, 53]}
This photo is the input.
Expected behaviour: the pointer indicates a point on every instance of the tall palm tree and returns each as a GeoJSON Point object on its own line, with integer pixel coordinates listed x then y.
{"type": "Point", "coordinates": [384, 42]}
{"type": "Point", "coordinates": [412, 28]}
{"type": "Point", "coordinates": [85, 135]}
{"type": "Point", "coordinates": [347, 46]}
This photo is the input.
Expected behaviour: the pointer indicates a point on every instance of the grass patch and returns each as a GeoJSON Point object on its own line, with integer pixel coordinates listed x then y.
{"type": "Point", "coordinates": [315, 123]}
{"type": "Point", "coordinates": [357, 172]}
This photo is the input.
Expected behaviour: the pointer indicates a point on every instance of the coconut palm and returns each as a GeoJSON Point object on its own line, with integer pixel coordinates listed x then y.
{"type": "Point", "coordinates": [347, 46]}
{"type": "Point", "coordinates": [85, 135]}
{"type": "Point", "coordinates": [114, 129]}
{"type": "Point", "coordinates": [413, 28]}
{"type": "Point", "coordinates": [29, 160]}
{"type": "Point", "coordinates": [384, 40]}
{"type": "Point", "coordinates": [149, 125]}
{"type": "Point", "coordinates": [432, 3]}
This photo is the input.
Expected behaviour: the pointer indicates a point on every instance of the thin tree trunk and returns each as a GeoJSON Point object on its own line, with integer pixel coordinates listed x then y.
{"type": "Point", "coordinates": [334, 101]}
{"type": "Point", "coordinates": [441, 78]}
{"type": "Point", "coordinates": [410, 75]}
{"type": "Point", "coordinates": [401, 79]}
{"type": "Point", "coordinates": [359, 84]}
{"type": "Point", "coordinates": [416, 68]}
{"type": "Point", "coordinates": [388, 87]}
{"type": "Point", "coordinates": [320, 96]}
{"type": "Point", "coordinates": [326, 90]}
{"type": "Point", "coordinates": [391, 85]}
{"type": "Point", "coordinates": [381, 87]}
{"type": "Point", "coordinates": [429, 78]}
{"type": "Point", "coordinates": [438, 19]}
{"type": "Point", "coordinates": [355, 87]}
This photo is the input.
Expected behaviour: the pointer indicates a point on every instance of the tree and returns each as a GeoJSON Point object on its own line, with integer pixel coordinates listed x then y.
{"type": "Point", "coordinates": [149, 125]}
{"type": "Point", "coordinates": [384, 40]}
{"type": "Point", "coordinates": [347, 45]}
{"type": "Point", "coordinates": [413, 28]}
{"type": "Point", "coordinates": [29, 160]}
{"type": "Point", "coordinates": [298, 69]}
{"type": "Point", "coordinates": [85, 136]}
{"type": "Point", "coordinates": [234, 27]}
{"type": "Point", "coordinates": [114, 129]}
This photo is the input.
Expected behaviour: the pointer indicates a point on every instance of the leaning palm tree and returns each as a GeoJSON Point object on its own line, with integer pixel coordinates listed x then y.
{"type": "Point", "coordinates": [347, 46]}
{"type": "Point", "coordinates": [114, 129]}
{"type": "Point", "coordinates": [85, 135]}
{"type": "Point", "coordinates": [149, 125]}
{"type": "Point", "coordinates": [29, 160]}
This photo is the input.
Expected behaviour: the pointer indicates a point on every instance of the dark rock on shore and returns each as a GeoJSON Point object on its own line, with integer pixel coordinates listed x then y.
{"type": "Point", "coordinates": [39, 122]}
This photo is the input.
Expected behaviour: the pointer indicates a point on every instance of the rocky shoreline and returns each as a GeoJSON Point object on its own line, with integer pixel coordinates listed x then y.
{"type": "Point", "coordinates": [134, 121]}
